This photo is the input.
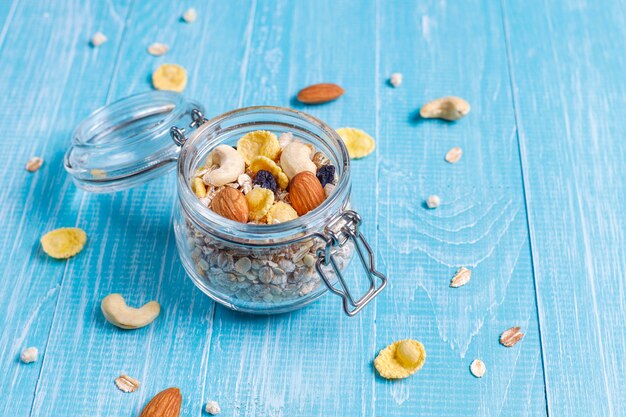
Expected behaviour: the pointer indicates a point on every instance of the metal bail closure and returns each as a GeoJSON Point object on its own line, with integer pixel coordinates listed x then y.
{"type": "Point", "coordinates": [178, 133]}
{"type": "Point", "coordinates": [349, 231]}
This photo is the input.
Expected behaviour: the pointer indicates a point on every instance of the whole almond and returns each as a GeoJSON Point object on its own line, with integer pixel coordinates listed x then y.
{"type": "Point", "coordinates": [305, 192]}
{"type": "Point", "coordinates": [165, 404]}
{"type": "Point", "coordinates": [320, 93]}
{"type": "Point", "coordinates": [232, 204]}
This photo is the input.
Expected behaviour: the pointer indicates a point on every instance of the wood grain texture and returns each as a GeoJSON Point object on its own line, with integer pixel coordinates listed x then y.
{"type": "Point", "coordinates": [569, 95]}
{"type": "Point", "coordinates": [37, 115]}
{"type": "Point", "coordinates": [132, 248]}
{"type": "Point", "coordinates": [481, 223]}
{"type": "Point", "coordinates": [315, 361]}
{"type": "Point", "coordinates": [534, 208]}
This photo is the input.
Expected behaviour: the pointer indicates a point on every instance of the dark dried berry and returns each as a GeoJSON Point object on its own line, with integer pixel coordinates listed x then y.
{"type": "Point", "coordinates": [265, 179]}
{"type": "Point", "coordinates": [326, 174]}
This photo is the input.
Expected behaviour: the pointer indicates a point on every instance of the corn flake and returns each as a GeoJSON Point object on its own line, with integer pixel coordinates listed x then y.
{"type": "Point", "coordinates": [358, 142]}
{"type": "Point", "coordinates": [400, 359]}
{"type": "Point", "coordinates": [260, 200]}
{"type": "Point", "coordinates": [170, 77]}
{"type": "Point", "coordinates": [64, 243]}
{"type": "Point", "coordinates": [258, 143]}
{"type": "Point", "coordinates": [259, 163]}
{"type": "Point", "coordinates": [281, 212]}
{"type": "Point", "coordinates": [198, 187]}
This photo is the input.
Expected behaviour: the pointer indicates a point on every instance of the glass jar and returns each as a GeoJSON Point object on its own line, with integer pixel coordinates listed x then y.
{"type": "Point", "coordinates": [261, 269]}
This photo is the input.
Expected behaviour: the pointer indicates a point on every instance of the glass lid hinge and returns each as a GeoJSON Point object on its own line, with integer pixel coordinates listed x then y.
{"type": "Point", "coordinates": [178, 133]}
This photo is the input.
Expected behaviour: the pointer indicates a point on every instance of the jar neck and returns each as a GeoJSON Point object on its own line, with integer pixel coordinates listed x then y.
{"type": "Point", "coordinates": [232, 125]}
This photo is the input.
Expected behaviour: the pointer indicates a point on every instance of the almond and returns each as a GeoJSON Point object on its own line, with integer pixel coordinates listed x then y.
{"type": "Point", "coordinates": [320, 93]}
{"type": "Point", "coordinates": [231, 204]}
{"type": "Point", "coordinates": [165, 404]}
{"type": "Point", "coordinates": [305, 192]}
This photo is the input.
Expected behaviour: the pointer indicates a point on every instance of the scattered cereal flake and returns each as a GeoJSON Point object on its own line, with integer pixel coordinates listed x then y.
{"type": "Point", "coordinates": [158, 49]}
{"type": "Point", "coordinates": [258, 143]}
{"type": "Point", "coordinates": [34, 164]}
{"type": "Point", "coordinates": [396, 79]}
{"type": "Point", "coordinates": [29, 355]}
{"type": "Point", "coordinates": [400, 359]}
{"type": "Point", "coordinates": [127, 383]}
{"type": "Point", "coordinates": [281, 212]}
{"type": "Point", "coordinates": [170, 77]}
{"type": "Point", "coordinates": [511, 336]}
{"type": "Point", "coordinates": [213, 408]}
{"type": "Point", "coordinates": [190, 15]}
{"type": "Point", "coordinates": [462, 277]}
{"type": "Point", "coordinates": [433, 201]}
{"type": "Point", "coordinates": [285, 139]}
{"type": "Point", "coordinates": [478, 368]}
{"type": "Point", "coordinates": [454, 155]}
{"type": "Point", "coordinates": [64, 243]}
{"type": "Point", "coordinates": [98, 39]}
{"type": "Point", "coordinates": [359, 143]}
{"type": "Point", "coordinates": [260, 200]}
{"type": "Point", "coordinates": [259, 163]}
{"type": "Point", "coordinates": [198, 187]}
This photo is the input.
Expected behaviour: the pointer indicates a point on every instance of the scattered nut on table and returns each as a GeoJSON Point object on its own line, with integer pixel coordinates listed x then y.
{"type": "Point", "coordinates": [29, 355]}
{"type": "Point", "coordinates": [449, 108]}
{"type": "Point", "coordinates": [478, 368]}
{"type": "Point", "coordinates": [119, 314]}
{"type": "Point", "coordinates": [98, 39]}
{"type": "Point", "coordinates": [190, 15]}
{"type": "Point", "coordinates": [433, 201]}
{"type": "Point", "coordinates": [396, 79]}
{"type": "Point", "coordinates": [213, 408]}
{"type": "Point", "coordinates": [166, 403]}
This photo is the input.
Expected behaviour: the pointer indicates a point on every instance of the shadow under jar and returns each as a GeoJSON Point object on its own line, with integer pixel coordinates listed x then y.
{"type": "Point", "coordinates": [254, 268]}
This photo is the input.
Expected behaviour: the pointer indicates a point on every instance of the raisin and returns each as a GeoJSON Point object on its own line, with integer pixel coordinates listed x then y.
{"type": "Point", "coordinates": [326, 174]}
{"type": "Point", "coordinates": [265, 179]}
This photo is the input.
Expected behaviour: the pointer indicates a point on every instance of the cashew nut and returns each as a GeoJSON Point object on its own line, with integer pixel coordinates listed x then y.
{"type": "Point", "coordinates": [121, 315]}
{"type": "Point", "coordinates": [296, 158]}
{"type": "Point", "coordinates": [448, 108]}
{"type": "Point", "coordinates": [231, 165]}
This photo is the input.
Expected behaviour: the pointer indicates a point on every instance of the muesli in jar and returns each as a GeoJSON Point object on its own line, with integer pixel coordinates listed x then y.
{"type": "Point", "coordinates": [264, 180]}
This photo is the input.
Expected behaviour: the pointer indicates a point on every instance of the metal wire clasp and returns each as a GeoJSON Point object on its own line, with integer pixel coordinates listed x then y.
{"type": "Point", "coordinates": [178, 133]}
{"type": "Point", "coordinates": [338, 238]}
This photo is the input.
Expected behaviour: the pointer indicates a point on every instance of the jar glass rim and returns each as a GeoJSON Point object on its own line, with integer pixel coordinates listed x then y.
{"type": "Point", "coordinates": [259, 234]}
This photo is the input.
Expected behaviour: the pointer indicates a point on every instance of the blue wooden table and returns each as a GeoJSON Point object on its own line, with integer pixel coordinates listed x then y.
{"type": "Point", "coordinates": [536, 207]}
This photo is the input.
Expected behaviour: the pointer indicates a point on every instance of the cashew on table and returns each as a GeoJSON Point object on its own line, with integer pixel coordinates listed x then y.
{"type": "Point", "coordinates": [118, 313]}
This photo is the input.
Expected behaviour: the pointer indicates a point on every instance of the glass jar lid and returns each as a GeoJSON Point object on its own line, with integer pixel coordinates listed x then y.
{"type": "Point", "coordinates": [128, 142]}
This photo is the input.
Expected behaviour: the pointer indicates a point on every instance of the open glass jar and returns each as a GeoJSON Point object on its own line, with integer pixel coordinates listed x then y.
{"type": "Point", "coordinates": [261, 269]}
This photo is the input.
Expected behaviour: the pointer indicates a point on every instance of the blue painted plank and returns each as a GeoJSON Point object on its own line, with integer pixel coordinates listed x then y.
{"type": "Point", "coordinates": [315, 361]}
{"type": "Point", "coordinates": [45, 58]}
{"type": "Point", "coordinates": [569, 90]}
{"type": "Point", "coordinates": [453, 48]}
{"type": "Point", "coordinates": [132, 247]}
